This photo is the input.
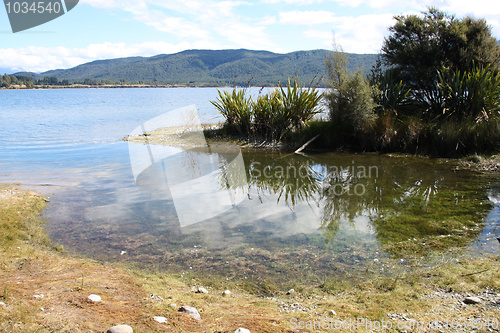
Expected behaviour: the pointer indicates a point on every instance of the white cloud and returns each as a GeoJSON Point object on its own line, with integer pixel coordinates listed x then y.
{"type": "Point", "coordinates": [489, 10]}
{"type": "Point", "coordinates": [40, 59]}
{"type": "Point", "coordinates": [268, 20]}
{"type": "Point", "coordinates": [362, 34]}
{"type": "Point", "coordinates": [392, 5]}
{"type": "Point", "coordinates": [478, 8]}
{"type": "Point", "coordinates": [306, 17]}
{"type": "Point", "coordinates": [319, 34]}
{"type": "Point", "coordinates": [326, 37]}
{"type": "Point", "coordinates": [293, 2]}
{"type": "Point", "coordinates": [215, 22]}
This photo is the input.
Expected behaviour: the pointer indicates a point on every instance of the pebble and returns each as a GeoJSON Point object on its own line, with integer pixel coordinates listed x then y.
{"type": "Point", "coordinates": [332, 313]}
{"type": "Point", "coordinates": [242, 330]}
{"type": "Point", "coordinates": [38, 296]}
{"type": "Point", "coordinates": [161, 320]}
{"type": "Point", "coordinates": [295, 307]}
{"type": "Point", "coordinates": [190, 311]}
{"type": "Point", "coordinates": [157, 298]}
{"type": "Point", "coordinates": [472, 300]}
{"type": "Point", "coordinates": [290, 292]}
{"type": "Point", "coordinates": [120, 329]}
{"type": "Point", "coordinates": [94, 298]}
{"type": "Point", "coordinates": [202, 290]}
{"type": "Point", "coordinates": [227, 293]}
{"type": "Point", "coordinates": [3, 305]}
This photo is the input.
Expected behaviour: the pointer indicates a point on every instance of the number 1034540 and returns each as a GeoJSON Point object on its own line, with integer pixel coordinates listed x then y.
{"type": "Point", "coordinates": [40, 7]}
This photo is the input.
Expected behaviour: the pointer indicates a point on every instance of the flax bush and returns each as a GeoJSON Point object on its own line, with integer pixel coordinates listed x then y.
{"type": "Point", "coordinates": [269, 116]}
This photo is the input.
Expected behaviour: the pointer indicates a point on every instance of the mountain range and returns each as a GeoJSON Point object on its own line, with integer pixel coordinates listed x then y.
{"type": "Point", "coordinates": [211, 68]}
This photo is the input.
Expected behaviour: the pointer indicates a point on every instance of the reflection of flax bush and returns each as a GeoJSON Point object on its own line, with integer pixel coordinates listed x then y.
{"type": "Point", "coordinates": [271, 115]}
{"type": "Point", "coordinates": [290, 179]}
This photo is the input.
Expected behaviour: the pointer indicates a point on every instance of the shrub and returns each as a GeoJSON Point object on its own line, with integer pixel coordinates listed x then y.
{"type": "Point", "coordinates": [349, 99]}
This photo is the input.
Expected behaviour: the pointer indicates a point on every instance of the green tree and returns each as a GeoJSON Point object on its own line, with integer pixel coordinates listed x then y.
{"type": "Point", "coordinates": [350, 101]}
{"type": "Point", "coordinates": [6, 80]}
{"type": "Point", "coordinates": [51, 80]}
{"type": "Point", "coordinates": [420, 46]}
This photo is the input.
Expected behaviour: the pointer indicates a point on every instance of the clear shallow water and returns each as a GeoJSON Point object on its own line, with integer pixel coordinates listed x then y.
{"type": "Point", "coordinates": [303, 217]}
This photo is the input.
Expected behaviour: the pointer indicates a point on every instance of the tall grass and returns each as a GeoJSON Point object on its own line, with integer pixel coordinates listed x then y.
{"type": "Point", "coordinates": [450, 138]}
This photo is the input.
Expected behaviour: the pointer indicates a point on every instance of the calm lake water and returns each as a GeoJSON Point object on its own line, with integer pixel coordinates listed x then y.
{"type": "Point", "coordinates": [277, 220]}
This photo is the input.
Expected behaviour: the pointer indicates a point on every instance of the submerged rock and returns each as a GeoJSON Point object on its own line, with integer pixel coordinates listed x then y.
{"type": "Point", "coordinates": [120, 329]}
{"type": "Point", "coordinates": [190, 311]}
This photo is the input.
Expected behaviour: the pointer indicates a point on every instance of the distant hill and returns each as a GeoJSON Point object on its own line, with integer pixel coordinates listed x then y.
{"type": "Point", "coordinates": [210, 68]}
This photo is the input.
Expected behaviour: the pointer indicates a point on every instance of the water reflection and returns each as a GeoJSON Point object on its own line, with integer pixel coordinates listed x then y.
{"type": "Point", "coordinates": [406, 203]}
{"type": "Point", "coordinates": [303, 217]}
{"type": "Point", "coordinates": [184, 167]}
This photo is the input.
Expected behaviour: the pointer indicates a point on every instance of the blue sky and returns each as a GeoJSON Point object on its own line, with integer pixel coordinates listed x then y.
{"type": "Point", "coordinates": [103, 29]}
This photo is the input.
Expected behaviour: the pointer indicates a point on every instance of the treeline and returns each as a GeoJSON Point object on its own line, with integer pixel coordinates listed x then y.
{"type": "Point", "coordinates": [434, 91]}
{"type": "Point", "coordinates": [23, 81]}
{"type": "Point", "coordinates": [8, 81]}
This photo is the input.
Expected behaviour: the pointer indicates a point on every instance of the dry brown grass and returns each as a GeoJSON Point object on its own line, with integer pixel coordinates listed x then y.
{"type": "Point", "coordinates": [30, 267]}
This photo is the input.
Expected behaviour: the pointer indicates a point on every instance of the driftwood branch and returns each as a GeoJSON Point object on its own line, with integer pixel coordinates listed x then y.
{"type": "Point", "coordinates": [298, 151]}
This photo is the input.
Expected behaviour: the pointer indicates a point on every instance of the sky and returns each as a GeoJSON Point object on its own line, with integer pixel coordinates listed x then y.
{"type": "Point", "coordinates": [104, 29]}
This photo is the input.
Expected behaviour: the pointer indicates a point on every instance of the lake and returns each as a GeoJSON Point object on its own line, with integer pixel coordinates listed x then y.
{"type": "Point", "coordinates": [264, 220]}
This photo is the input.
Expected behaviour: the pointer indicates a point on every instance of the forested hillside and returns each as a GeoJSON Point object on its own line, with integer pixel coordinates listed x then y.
{"type": "Point", "coordinates": [207, 68]}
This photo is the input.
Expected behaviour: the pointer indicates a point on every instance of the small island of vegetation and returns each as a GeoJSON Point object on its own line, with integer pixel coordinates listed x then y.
{"type": "Point", "coordinates": [435, 91]}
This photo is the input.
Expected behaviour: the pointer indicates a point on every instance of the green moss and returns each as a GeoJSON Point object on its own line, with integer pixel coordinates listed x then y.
{"type": "Point", "coordinates": [19, 218]}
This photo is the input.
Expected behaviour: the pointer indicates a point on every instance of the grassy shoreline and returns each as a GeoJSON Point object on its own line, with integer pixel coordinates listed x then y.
{"type": "Point", "coordinates": [32, 266]}
{"type": "Point", "coordinates": [106, 86]}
